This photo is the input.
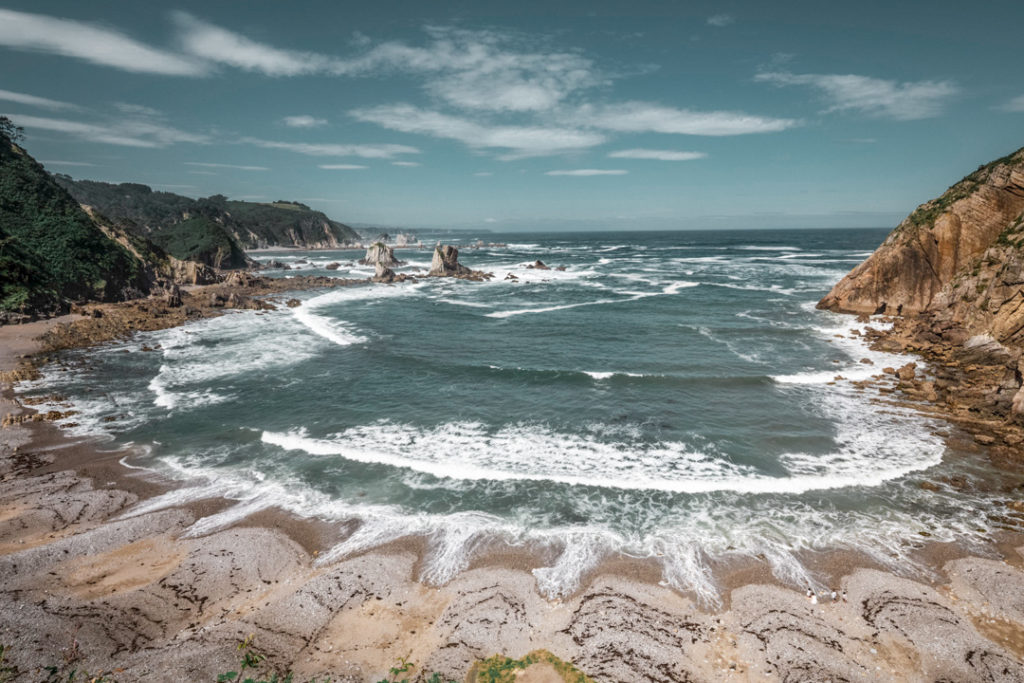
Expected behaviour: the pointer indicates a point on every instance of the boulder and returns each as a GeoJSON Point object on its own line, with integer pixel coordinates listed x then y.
{"type": "Point", "coordinates": [293, 303]}
{"type": "Point", "coordinates": [983, 348]}
{"type": "Point", "coordinates": [333, 266]}
{"type": "Point", "coordinates": [907, 372]}
{"type": "Point", "coordinates": [538, 265]}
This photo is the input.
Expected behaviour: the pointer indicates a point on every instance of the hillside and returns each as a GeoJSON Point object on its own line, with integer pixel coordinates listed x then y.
{"type": "Point", "coordinates": [941, 241]}
{"type": "Point", "coordinates": [51, 251]}
{"type": "Point", "coordinates": [246, 225]}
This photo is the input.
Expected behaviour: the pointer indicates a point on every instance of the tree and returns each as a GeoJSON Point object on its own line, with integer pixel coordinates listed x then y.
{"type": "Point", "coordinates": [10, 131]}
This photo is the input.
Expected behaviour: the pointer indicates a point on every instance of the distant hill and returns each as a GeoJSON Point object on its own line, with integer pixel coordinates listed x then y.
{"type": "Point", "coordinates": [51, 251]}
{"type": "Point", "coordinates": [181, 224]}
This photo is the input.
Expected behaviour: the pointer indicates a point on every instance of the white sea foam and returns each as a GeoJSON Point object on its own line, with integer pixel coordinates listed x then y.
{"type": "Point", "coordinates": [468, 451]}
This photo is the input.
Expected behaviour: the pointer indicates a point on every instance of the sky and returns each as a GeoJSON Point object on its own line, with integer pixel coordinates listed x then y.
{"type": "Point", "coordinates": [524, 115]}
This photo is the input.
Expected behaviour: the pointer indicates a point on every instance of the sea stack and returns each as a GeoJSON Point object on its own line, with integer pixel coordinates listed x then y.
{"type": "Point", "coordinates": [378, 252]}
{"type": "Point", "coordinates": [445, 262]}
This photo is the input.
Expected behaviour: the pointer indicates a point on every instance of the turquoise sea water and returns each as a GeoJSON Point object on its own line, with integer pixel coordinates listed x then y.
{"type": "Point", "coordinates": [667, 395]}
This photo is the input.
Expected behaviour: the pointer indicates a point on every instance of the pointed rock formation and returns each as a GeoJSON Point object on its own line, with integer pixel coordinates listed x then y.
{"type": "Point", "coordinates": [445, 263]}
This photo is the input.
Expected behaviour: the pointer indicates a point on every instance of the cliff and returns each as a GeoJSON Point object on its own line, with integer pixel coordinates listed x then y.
{"type": "Point", "coordinates": [51, 251]}
{"type": "Point", "coordinates": [938, 243]}
{"type": "Point", "coordinates": [226, 227]}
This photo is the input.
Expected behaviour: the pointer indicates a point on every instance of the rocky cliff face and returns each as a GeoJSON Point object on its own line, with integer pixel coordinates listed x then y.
{"type": "Point", "coordinates": [937, 244]}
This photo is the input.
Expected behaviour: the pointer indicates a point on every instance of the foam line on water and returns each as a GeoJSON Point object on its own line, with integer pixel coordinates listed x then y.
{"type": "Point", "coordinates": [523, 453]}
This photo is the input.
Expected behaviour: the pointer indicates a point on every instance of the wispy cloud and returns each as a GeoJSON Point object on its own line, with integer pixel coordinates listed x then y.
{"type": "Point", "coordinates": [644, 117]}
{"type": "Point", "coordinates": [33, 101]}
{"type": "Point", "coordinates": [657, 154]}
{"type": "Point", "coordinates": [209, 42]}
{"type": "Point", "coordinates": [205, 164]}
{"type": "Point", "coordinates": [128, 133]}
{"type": "Point", "coordinates": [483, 174]}
{"type": "Point", "coordinates": [517, 141]}
{"type": "Point", "coordinates": [303, 121]}
{"type": "Point", "coordinates": [878, 97]}
{"type": "Point", "coordinates": [136, 109]}
{"type": "Point", "coordinates": [342, 167]}
{"type": "Point", "coordinates": [327, 149]}
{"type": "Point", "coordinates": [720, 20]}
{"type": "Point", "coordinates": [478, 70]}
{"type": "Point", "coordinates": [405, 163]}
{"type": "Point", "coordinates": [92, 43]}
{"type": "Point", "coordinates": [1016, 104]}
{"type": "Point", "coordinates": [588, 172]}
{"type": "Point", "coordinates": [66, 163]}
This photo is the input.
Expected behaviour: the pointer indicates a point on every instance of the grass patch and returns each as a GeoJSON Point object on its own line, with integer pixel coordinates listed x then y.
{"type": "Point", "coordinates": [502, 669]}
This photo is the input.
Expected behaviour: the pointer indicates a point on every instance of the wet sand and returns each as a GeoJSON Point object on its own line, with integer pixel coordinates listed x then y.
{"type": "Point", "coordinates": [139, 597]}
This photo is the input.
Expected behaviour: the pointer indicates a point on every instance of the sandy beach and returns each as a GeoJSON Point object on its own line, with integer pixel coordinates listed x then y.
{"type": "Point", "coordinates": [86, 582]}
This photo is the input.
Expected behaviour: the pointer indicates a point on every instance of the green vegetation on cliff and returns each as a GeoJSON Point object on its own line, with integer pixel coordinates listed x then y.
{"type": "Point", "coordinates": [244, 224]}
{"type": "Point", "coordinates": [51, 251]}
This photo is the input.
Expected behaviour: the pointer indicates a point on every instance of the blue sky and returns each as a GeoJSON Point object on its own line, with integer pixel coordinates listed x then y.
{"type": "Point", "coordinates": [518, 115]}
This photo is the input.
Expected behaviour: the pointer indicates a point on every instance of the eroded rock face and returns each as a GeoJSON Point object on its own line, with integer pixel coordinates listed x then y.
{"type": "Point", "coordinates": [936, 243]}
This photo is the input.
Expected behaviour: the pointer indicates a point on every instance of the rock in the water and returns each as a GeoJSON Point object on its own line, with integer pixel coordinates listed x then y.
{"type": "Point", "coordinates": [538, 265]}
{"type": "Point", "coordinates": [907, 372]}
{"type": "Point", "coordinates": [293, 303]}
{"type": "Point", "coordinates": [382, 273]}
{"type": "Point", "coordinates": [446, 261]}
{"type": "Point", "coordinates": [379, 253]}
{"type": "Point", "coordinates": [333, 266]}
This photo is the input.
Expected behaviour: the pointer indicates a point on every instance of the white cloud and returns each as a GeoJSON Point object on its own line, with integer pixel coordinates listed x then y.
{"type": "Point", "coordinates": [720, 20]}
{"type": "Point", "coordinates": [643, 117]}
{"type": "Point", "coordinates": [519, 141]}
{"type": "Point", "coordinates": [873, 96]}
{"type": "Point", "coordinates": [314, 149]}
{"type": "Point", "coordinates": [479, 70]}
{"type": "Point", "coordinates": [405, 163]}
{"type": "Point", "coordinates": [342, 167]}
{"type": "Point", "coordinates": [209, 42]}
{"type": "Point", "coordinates": [33, 101]}
{"type": "Point", "coordinates": [95, 44]}
{"type": "Point", "coordinates": [657, 154]}
{"type": "Point", "coordinates": [127, 133]}
{"type": "Point", "coordinates": [239, 168]}
{"type": "Point", "coordinates": [66, 163]}
{"type": "Point", "coordinates": [588, 172]}
{"type": "Point", "coordinates": [136, 109]}
{"type": "Point", "coordinates": [303, 121]}
{"type": "Point", "coordinates": [490, 220]}
{"type": "Point", "coordinates": [1016, 104]}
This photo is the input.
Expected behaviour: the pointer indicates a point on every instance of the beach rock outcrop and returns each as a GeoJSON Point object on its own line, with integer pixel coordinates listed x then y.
{"type": "Point", "coordinates": [947, 238]}
{"type": "Point", "coordinates": [445, 263]}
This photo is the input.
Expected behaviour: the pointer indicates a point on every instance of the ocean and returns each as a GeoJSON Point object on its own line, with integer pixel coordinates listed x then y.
{"type": "Point", "coordinates": [668, 396]}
